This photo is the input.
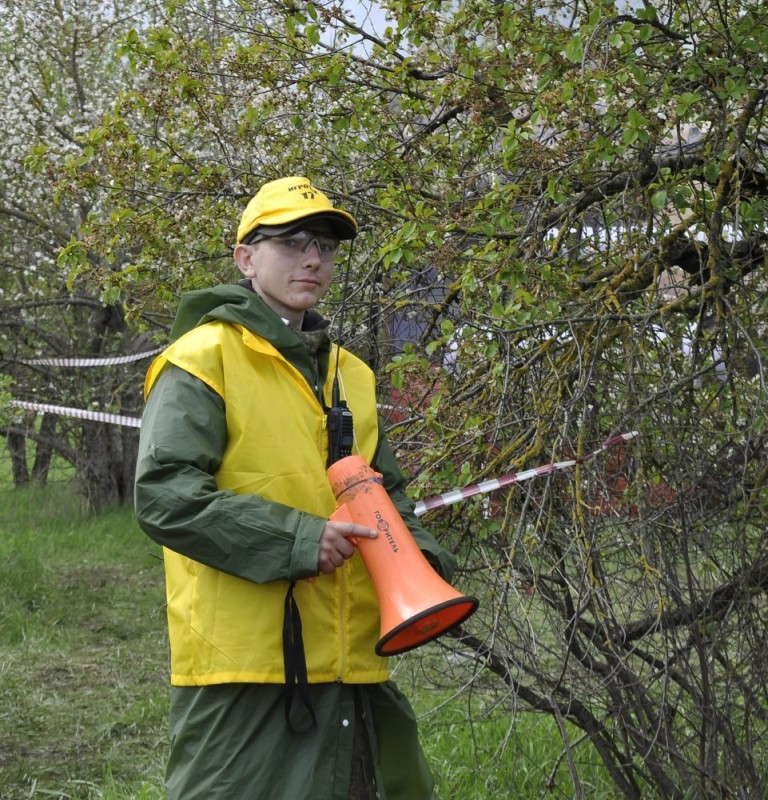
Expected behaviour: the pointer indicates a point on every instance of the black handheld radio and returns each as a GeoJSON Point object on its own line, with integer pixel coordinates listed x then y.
{"type": "Point", "coordinates": [341, 431]}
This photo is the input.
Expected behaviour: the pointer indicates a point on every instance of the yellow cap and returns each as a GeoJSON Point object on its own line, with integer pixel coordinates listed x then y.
{"type": "Point", "coordinates": [279, 204]}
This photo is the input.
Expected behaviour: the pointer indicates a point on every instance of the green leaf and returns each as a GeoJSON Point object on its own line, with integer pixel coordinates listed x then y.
{"type": "Point", "coordinates": [712, 171]}
{"type": "Point", "coordinates": [574, 50]}
{"type": "Point", "coordinates": [630, 135]}
{"type": "Point", "coordinates": [312, 32]}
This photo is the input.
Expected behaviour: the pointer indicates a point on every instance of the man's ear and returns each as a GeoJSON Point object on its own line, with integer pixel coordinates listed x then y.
{"type": "Point", "coordinates": [243, 255]}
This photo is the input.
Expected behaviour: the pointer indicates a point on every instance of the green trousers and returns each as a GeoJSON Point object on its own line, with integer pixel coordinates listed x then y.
{"type": "Point", "coordinates": [231, 742]}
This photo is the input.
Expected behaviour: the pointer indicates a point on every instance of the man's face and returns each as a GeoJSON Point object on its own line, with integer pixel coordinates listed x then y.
{"type": "Point", "coordinates": [291, 272]}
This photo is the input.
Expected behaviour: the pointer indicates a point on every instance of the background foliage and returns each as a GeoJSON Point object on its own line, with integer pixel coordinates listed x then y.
{"type": "Point", "coordinates": [563, 238]}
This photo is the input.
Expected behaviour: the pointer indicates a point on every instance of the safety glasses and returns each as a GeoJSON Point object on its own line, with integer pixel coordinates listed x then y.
{"type": "Point", "coordinates": [302, 241]}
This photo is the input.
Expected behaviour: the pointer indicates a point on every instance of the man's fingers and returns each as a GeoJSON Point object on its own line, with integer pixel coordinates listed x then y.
{"type": "Point", "coordinates": [339, 541]}
{"type": "Point", "coordinates": [362, 530]}
{"type": "Point", "coordinates": [352, 530]}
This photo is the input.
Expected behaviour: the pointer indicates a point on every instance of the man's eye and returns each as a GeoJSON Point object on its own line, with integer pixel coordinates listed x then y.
{"type": "Point", "coordinates": [291, 244]}
{"type": "Point", "coordinates": [328, 247]}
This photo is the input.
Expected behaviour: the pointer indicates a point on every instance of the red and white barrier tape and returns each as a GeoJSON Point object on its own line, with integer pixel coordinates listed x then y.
{"type": "Point", "coordinates": [422, 506]}
{"type": "Point", "coordinates": [457, 495]}
{"type": "Point", "coordinates": [88, 362]}
{"type": "Point", "coordinates": [80, 413]}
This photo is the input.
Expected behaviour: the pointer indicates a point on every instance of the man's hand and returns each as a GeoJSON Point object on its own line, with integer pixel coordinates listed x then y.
{"type": "Point", "coordinates": [336, 545]}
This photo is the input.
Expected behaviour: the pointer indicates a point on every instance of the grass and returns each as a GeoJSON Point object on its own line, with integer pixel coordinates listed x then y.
{"type": "Point", "coordinates": [83, 687]}
{"type": "Point", "coordinates": [83, 674]}
{"type": "Point", "coordinates": [479, 748]}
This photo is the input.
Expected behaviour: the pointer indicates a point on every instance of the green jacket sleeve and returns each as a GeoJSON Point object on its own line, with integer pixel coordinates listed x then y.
{"type": "Point", "coordinates": [177, 502]}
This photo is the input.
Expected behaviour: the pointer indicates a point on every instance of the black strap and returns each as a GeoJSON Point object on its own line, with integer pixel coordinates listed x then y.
{"type": "Point", "coordinates": [295, 664]}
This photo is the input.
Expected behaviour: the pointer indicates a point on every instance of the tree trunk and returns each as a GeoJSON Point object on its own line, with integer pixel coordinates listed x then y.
{"type": "Point", "coordinates": [44, 450]}
{"type": "Point", "coordinates": [18, 451]}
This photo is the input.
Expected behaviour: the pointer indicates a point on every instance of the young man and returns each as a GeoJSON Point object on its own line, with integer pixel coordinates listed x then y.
{"type": "Point", "coordinates": [231, 480]}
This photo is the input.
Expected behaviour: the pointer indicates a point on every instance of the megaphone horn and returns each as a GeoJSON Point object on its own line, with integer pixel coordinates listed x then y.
{"type": "Point", "coordinates": [416, 605]}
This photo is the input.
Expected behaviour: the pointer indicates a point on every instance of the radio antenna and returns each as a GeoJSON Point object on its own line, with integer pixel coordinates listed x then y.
{"type": "Point", "coordinates": [342, 315]}
{"type": "Point", "coordinates": [341, 434]}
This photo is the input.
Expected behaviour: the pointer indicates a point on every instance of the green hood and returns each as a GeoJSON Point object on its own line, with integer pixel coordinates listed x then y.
{"type": "Point", "coordinates": [238, 304]}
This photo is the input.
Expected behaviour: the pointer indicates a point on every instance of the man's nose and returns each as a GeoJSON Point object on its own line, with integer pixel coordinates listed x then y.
{"type": "Point", "coordinates": [313, 244]}
{"type": "Point", "coordinates": [312, 253]}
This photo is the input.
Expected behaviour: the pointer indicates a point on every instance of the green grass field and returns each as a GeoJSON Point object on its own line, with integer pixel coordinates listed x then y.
{"type": "Point", "coordinates": [83, 674]}
{"type": "Point", "coordinates": [82, 652]}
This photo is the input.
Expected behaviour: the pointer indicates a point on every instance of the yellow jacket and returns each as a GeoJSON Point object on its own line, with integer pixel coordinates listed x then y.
{"type": "Point", "coordinates": [226, 629]}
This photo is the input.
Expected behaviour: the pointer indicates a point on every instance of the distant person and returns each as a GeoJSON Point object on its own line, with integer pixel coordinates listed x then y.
{"type": "Point", "coordinates": [231, 480]}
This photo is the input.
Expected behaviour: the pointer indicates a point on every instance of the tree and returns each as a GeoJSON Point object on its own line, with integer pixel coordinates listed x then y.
{"type": "Point", "coordinates": [61, 75]}
{"type": "Point", "coordinates": [563, 239]}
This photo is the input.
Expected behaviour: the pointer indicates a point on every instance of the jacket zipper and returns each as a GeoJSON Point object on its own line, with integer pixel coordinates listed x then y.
{"type": "Point", "coordinates": [342, 628]}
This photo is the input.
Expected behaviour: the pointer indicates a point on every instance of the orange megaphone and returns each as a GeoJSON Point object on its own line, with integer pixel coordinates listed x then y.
{"type": "Point", "coordinates": [415, 603]}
